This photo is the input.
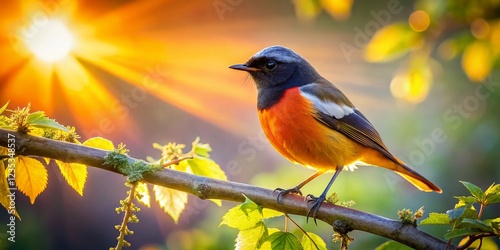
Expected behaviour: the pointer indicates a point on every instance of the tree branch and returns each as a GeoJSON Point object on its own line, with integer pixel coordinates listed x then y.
{"type": "Point", "coordinates": [207, 188]}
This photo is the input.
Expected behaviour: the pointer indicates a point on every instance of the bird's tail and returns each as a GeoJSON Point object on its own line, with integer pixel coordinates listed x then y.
{"type": "Point", "coordinates": [402, 169]}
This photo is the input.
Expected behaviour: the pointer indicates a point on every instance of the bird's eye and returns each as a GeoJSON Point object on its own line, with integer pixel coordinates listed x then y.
{"type": "Point", "coordinates": [271, 65]}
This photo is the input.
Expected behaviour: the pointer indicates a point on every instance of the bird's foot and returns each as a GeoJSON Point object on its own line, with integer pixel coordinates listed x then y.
{"type": "Point", "coordinates": [281, 192]}
{"type": "Point", "coordinates": [316, 204]}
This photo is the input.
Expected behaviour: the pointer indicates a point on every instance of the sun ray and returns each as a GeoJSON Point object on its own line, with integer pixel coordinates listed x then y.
{"type": "Point", "coordinates": [148, 45]}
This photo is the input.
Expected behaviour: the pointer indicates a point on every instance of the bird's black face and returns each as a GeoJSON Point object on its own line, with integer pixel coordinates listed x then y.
{"type": "Point", "coordinates": [273, 66]}
{"type": "Point", "coordinates": [276, 69]}
{"type": "Point", "coordinates": [267, 72]}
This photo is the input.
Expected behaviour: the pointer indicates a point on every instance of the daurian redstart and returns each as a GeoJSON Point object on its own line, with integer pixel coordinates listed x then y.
{"type": "Point", "coordinates": [312, 123]}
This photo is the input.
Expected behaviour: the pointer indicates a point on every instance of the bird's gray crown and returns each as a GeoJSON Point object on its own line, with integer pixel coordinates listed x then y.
{"type": "Point", "coordinates": [279, 53]}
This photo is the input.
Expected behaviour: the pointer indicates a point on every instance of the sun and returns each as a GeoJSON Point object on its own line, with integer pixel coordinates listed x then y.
{"type": "Point", "coordinates": [50, 42]}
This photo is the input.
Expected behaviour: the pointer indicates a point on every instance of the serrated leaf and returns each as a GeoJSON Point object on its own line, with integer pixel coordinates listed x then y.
{"type": "Point", "coordinates": [313, 242]}
{"type": "Point", "coordinates": [281, 241]}
{"type": "Point", "coordinates": [391, 42]}
{"type": "Point", "coordinates": [31, 177]}
{"type": "Point", "coordinates": [244, 216]}
{"type": "Point", "coordinates": [474, 190]}
{"type": "Point", "coordinates": [392, 245]}
{"type": "Point", "coordinates": [466, 199]}
{"type": "Point", "coordinates": [75, 174]}
{"type": "Point", "coordinates": [172, 201]}
{"type": "Point", "coordinates": [99, 142]}
{"type": "Point", "coordinates": [460, 232]}
{"type": "Point", "coordinates": [252, 238]}
{"type": "Point", "coordinates": [39, 120]}
{"type": "Point", "coordinates": [479, 224]}
{"type": "Point", "coordinates": [142, 191]}
{"type": "Point", "coordinates": [2, 109]}
{"type": "Point", "coordinates": [436, 219]}
{"type": "Point", "coordinates": [5, 194]}
{"type": "Point", "coordinates": [492, 194]}
{"type": "Point", "coordinates": [35, 116]}
{"type": "Point", "coordinates": [270, 213]}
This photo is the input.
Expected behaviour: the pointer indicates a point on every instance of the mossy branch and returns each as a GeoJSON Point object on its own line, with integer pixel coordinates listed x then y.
{"type": "Point", "coordinates": [207, 188]}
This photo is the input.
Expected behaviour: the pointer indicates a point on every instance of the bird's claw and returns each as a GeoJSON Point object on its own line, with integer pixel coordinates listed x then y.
{"type": "Point", "coordinates": [281, 192]}
{"type": "Point", "coordinates": [316, 204]}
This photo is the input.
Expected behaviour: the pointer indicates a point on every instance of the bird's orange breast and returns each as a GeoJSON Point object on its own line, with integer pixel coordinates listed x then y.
{"type": "Point", "coordinates": [292, 129]}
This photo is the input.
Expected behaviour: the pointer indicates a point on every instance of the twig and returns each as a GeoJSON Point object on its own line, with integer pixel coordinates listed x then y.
{"type": "Point", "coordinates": [207, 188]}
{"type": "Point", "coordinates": [177, 161]}
{"type": "Point", "coordinates": [128, 212]}
{"type": "Point", "coordinates": [473, 238]}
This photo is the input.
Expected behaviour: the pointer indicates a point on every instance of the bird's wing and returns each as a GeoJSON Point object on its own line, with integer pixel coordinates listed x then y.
{"type": "Point", "coordinates": [337, 112]}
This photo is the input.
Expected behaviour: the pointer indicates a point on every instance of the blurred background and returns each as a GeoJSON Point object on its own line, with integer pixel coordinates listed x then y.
{"type": "Point", "coordinates": [138, 72]}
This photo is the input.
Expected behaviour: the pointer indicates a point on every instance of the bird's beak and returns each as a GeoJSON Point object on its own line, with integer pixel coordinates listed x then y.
{"type": "Point", "coordinates": [244, 67]}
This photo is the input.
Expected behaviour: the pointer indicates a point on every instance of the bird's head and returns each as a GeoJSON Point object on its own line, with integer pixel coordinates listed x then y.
{"type": "Point", "coordinates": [277, 66]}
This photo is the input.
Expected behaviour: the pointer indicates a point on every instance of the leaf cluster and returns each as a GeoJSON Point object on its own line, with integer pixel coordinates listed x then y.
{"type": "Point", "coordinates": [465, 220]}
{"type": "Point", "coordinates": [249, 218]}
{"type": "Point", "coordinates": [29, 174]}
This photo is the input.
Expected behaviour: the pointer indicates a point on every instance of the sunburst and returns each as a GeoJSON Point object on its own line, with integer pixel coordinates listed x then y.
{"type": "Point", "coordinates": [53, 62]}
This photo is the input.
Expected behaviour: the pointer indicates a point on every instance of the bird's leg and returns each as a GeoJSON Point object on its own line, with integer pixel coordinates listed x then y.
{"type": "Point", "coordinates": [318, 201]}
{"type": "Point", "coordinates": [296, 189]}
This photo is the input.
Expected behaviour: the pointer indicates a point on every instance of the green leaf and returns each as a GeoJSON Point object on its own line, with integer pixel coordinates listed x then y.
{"type": "Point", "coordinates": [313, 242]}
{"type": "Point", "coordinates": [467, 211]}
{"type": "Point", "coordinates": [474, 190]}
{"type": "Point", "coordinates": [244, 216]}
{"type": "Point", "coordinates": [479, 224]}
{"type": "Point", "coordinates": [252, 238]}
{"type": "Point", "coordinates": [282, 241]}
{"type": "Point", "coordinates": [2, 109]}
{"type": "Point", "coordinates": [436, 219]}
{"type": "Point", "coordinates": [392, 245]}
{"type": "Point", "coordinates": [464, 200]}
{"type": "Point", "coordinates": [495, 223]}
{"type": "Point", "coordinates": [39, 120]}
{"type": "Point", "coordinates": [270, 213]}
{"type": "Point", "coordinates": [460, 232]}
{"type": "Point", "coordinates": [492, 194]}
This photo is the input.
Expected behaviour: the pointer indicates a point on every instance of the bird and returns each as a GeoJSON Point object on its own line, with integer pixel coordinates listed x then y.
{"type": "Point", "coordinates": [312, 123]}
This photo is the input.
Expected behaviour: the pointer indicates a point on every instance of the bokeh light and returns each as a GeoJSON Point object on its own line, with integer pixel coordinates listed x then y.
{"type": "Point", "coordinates": [419, 21]}
{"type": "Point", "coordinates": [480, 28]}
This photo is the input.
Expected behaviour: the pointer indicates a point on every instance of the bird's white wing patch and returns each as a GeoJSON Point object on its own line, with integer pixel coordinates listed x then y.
{"type": "Point", "coordinates": [329, 107]}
